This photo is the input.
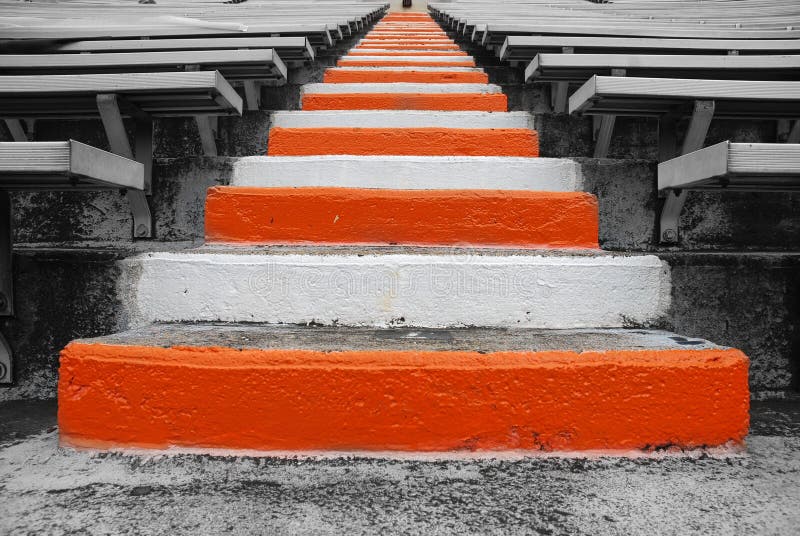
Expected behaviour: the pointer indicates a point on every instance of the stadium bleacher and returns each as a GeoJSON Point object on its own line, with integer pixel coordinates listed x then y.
{"type": "Point", "coordinates": [666, 59]}
{"type": "Point", "coordinates": [122, 59]}
{"type": "Point", "coordinates": [403, 164]}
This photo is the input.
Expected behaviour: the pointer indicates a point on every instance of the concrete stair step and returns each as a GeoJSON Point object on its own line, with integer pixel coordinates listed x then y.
{"type": "Point", "coordinates": [405, 46]}
{"type": "Point", "coordinates": [463, 119]}
{"type": "Point", "coordinates": [403, 141]}
{"type": "Point", "coordinates": [290, 389]}
{"type": "Point", "coordinates": [409, 172]}
{"type": "Point", "coordinates": [379, 286]}
{"type": "Point", "coordinates": [335, 215]}
{"type": "Point", "coordinates": [356, 52]}
{"type": "Point", "coordinates": [404, 96]}
{"type": "Point", "coordinates": [407, 40]}
{"type": "Point", "coordinates": [454, 75]}
{"type": "Point", "coordinates": [410, 33]}
{"type": "Point", "coordinates": [406, 61]}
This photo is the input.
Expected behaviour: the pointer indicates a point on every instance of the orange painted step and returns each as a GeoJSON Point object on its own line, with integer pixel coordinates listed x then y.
{"type": "Point", "coordinates": [409, 31]}
{"type": "Point", "coordinates": [334, 76]}
{"type": "Point", "coordinates": [287, 388]}
{"type": "Point", "coordinates": [400, 36]}
{"type": "Point", "coordinates": [404, 46]}
{"type": "Point", "coordinates": [403, 52]}
{"type": "Point", "coordinates": [427, 30]}
{"type": "Point", "coordinates": [388, 62]}
{"type": "Point", "coordinates": [409, 41]}
{"type": "Point", "coordinates": [403, 141]}
{"type": "Point", "coordinates": [336, 216]}
{"type": "Point", "coordinates": [483, 102]}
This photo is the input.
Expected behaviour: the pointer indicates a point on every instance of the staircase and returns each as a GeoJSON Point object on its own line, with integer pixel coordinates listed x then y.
{"type": "Point", "coordinates": [401, 272]}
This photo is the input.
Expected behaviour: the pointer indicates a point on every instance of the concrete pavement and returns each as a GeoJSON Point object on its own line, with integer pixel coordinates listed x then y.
{"type": "Point", "coordinates": [48, 490]}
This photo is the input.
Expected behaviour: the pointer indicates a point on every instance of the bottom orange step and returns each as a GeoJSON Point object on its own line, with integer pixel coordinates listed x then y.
{"type": "Point", "coordinates": [288, 388]}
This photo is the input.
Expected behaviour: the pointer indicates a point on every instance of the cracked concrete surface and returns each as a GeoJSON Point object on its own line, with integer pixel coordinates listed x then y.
{"type": "Point", "coordinates": [48, 490]}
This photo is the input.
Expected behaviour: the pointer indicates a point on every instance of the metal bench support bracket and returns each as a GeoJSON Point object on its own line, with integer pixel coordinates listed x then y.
{"type": "Point", "coordinates": [109, 107]}
{"type": "Point", "coordinates": [606, 128]}
{"type": "Point", "coordinates": [252, 93]}
{"type": "Point", "coordinates": [17, 130]}
{"type": "Point", "coordinates": [695, 137]}
{"type": "Point", "coordinates": [206, 125]}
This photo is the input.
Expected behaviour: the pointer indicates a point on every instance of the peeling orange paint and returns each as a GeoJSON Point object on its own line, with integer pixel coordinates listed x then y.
{"type": "Point", "coordinates": [399, 400]}
{"type": "Point", "coordinates": [403, 141]}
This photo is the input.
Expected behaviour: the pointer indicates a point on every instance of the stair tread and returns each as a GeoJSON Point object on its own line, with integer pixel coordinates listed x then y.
{"type": "Point", "coordinates": [340, 338]}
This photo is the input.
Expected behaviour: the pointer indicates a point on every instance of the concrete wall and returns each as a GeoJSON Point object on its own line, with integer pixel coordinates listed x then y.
{"type": "Point", "coordinates": [735, 279]}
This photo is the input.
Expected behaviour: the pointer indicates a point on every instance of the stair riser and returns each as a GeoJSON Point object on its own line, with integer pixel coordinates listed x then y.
{"type": "Point", "coordinates": [389, 46]}
{"type": "Point", "coordinates": [405, 61]}
{"type": "Point", "coordinates": [482, 102]}
{"type": "Point", "coordinates": [419, 290]}
{"type": "Point", "coordinates": [410, 173]}
{"type": "Point", "coordinates": [402, 119]}
{"type": "Point", "coordinates": [421, 40]}
{"type": "Point", "coordinates": [344, 77]}
{"type": "Point", "coordinates": [301, 400]}
{"type": "Point", "coordinates": [397, 141]}
{"type": "Point", "coordinates": [366, 51]}
{"type": "Point", "coordinates": [268, 216]}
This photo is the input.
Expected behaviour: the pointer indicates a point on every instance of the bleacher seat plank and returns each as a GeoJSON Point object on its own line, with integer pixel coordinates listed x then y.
{"type": "Point", "coordinates": [262, 64]}
{"type": "Point", "coordinates": [734, 166]}
{"type": "Point", "coordinates": [163, 94]}
{"type": "Point", "coordinates": [581, 67]}
{"type": "Point", "coordinates": [526, 47]}
{"type": "Point", "coordinates": [295, 48]}
{"type": "Point", "coordinates": [618, 95]}
{"type": "Point", "coordinates": [58, 165]}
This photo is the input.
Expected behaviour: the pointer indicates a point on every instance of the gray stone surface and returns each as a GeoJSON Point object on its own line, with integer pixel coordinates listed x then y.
{"type": "Point", "coordinates": [103, 218]}
{"type": "Point", "coordinates": [49, 490]}
{"type": "Point", "coordinates": [749, 301]}
{"type": "Point", "coordinates": [326, 338]}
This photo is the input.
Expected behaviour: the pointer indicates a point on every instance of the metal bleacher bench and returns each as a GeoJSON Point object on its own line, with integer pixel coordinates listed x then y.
{"type": "Point", "coordinates": [669, 99]}
{"type": "Point", "coordinates": [525, 47]}
{"type": "Point", "coordinates": [292, 50]}
{"type": "Point", "coordinates": [51, 166]}
{"type": "Point", "coordinates": [141, 96]}
{"type": "Point", "coordinates": [577, 68]}
{"type": "Point", "coordinates": [734, 166]}
{"type": "Point", "coordinates": [251, 68]}
{"type": "Point", "coordinates": [561, 70]}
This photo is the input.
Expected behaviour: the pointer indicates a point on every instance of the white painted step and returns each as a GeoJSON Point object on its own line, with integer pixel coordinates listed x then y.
{"type": "Point", "coordinates": [401, 119]}
{"type": "Point", "coordinates": [399, 87]}
{"type": "Point", "coordinates": [409, 172]}
{"type": "Point", "coordinates": [421, 59]}
{"type": "Point", "coordinates": [373, 287]}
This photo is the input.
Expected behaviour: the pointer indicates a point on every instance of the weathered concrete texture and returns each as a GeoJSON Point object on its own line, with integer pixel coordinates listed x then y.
{"type": "Point", "coordinates": [480, 288]}
{"type": "Point", "coordinates": [179, 191]}
{"type": "Point", "coordinates": [626, 195]}
{"type": "Point", "coordinates": [61, 295]}
{"type": "Point", "coordinates": [341, 339]}
{"type": "Point", "coordinates": [629, 204]}
{"type": "Point", "coordinates": [59, 491]}
{"type": "Point", "coordinates": [749, 301]}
